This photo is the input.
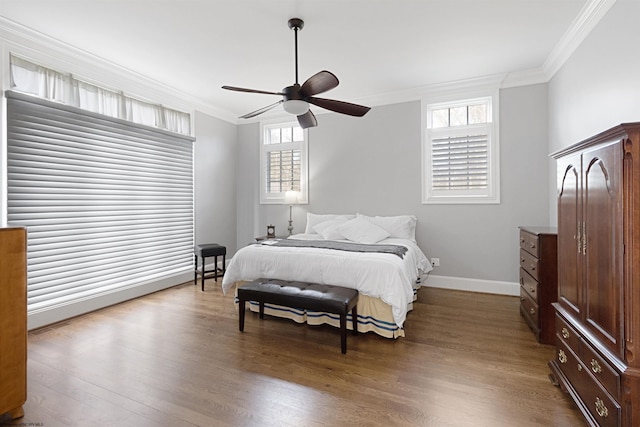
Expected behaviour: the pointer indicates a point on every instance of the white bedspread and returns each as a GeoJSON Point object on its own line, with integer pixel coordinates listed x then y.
{"type": "Point", "coordinates": [377, 275]}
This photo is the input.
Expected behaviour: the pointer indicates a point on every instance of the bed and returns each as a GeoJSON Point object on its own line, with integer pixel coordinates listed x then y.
{"type": "Point", "coordinates": [378, 256]}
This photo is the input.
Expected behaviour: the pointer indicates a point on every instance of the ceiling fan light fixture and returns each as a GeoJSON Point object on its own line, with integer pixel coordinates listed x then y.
{"type": "Point", "coordinates": [296, 98]}
{"type": "Point", "coordinates": [296, 106]}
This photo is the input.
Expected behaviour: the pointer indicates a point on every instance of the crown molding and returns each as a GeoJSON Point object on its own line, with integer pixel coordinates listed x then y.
{"type": "Point", "coordinates": [524, 78]}
{"type": "Point", "coordinates": [47, 51]}
{"type": "Point", "coordinates": [592, 12]}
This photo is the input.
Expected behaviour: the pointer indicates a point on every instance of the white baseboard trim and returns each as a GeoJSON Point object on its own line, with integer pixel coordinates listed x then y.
{"type": "Point", "coordinates": [65, 311]}
{"type": "Point", "coordinates": [473, 285]}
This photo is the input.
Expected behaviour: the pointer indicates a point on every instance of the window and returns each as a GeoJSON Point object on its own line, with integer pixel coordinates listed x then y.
{"type": "Point", "coordinates": [108, 205]}
{"type": "Point", "coordinates": [460, 151]}
{"type": "Point", "coordinates": [45, 83]}
{"type": "Point", "coordinates": [283, 162]}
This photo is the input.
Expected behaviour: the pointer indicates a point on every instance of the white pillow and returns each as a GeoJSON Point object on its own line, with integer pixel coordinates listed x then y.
{"type": "Point", "coordinates": [315, 219]}
{"type": "Point", "coordinates": [400, 226]}
{"type": "Point", "coordinates": [362, 231]}
{"type": "Point", "coordinates": [328, 229]}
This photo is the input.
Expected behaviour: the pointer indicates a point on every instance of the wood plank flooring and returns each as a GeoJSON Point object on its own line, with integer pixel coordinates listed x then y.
{"type": "Point", "coordinates": [176, 358]}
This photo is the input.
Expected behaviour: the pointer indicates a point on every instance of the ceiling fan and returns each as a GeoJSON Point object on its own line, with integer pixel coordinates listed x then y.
{"type": "Point", "coordinates": [296, 98]}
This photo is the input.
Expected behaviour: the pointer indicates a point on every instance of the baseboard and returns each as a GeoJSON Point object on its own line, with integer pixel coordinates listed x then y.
{"type": "Point", "coordinates": [65, 311]}
{"type": "Point", "coordinates": [473, 285]}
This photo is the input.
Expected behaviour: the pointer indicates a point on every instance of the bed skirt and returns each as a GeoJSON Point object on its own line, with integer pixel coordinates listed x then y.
{"type": "Point", "coordinates": [374, 315]}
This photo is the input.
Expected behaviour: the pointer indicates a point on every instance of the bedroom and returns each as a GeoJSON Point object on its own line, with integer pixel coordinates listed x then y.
{"type": "Point", "coordinates": [535, 120]}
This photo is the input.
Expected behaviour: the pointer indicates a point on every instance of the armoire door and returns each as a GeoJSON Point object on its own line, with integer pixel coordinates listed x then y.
{"type": "Point", "coordinates": [569, 234]}
{"type": "Point", "coordinates": [603, 247]}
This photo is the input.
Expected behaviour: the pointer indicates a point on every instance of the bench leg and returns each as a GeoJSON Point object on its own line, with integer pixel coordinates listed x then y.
{"type": "Point", "coordinates": [261, 305]}
{"type": "Point", "coordinates": [241, 315]}
{"type": "Point", "coordinates": [354, 319]}
{"type": "Point", "coordinates": [343, 333]}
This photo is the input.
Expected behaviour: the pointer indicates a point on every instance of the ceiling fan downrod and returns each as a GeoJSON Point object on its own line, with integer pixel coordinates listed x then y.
{"type": "Point", "coordinates": [296, 24]}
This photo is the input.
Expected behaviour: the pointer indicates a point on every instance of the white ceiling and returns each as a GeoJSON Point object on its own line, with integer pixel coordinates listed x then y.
{"type": "Point", "coordinates": [375, 47]}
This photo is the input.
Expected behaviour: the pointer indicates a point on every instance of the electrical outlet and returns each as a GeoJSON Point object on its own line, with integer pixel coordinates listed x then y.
{"type": "Point", "coordinates": [435, 262]}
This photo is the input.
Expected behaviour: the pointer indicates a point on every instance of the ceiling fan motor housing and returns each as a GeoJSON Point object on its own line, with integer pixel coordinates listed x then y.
{"type": "Point", "coordinates": [296, 23]}
{"type": "Point", "coordinates": [292, 93]}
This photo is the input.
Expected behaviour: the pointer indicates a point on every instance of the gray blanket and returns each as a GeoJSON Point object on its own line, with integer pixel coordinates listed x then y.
{"type": "Point", "coordinates": [397, 250]}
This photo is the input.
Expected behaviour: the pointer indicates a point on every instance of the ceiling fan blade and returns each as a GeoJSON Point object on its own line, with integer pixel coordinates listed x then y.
{"type": "Point", "coordinates": [262, 110]}
{"type": "Point", "coordinates": [340, 106]}
{"type": "Point", "coordinates": [307, 120]}
{"type": "Point", "coordinates": [241, 89]}
{"type": "Point", "coordinates": [319, 83]}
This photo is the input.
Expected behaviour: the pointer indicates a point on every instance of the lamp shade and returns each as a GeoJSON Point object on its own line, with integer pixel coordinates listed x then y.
{"type": "Point", "coordinates": [291, 197]}
{"type": "Point", "coordinates": [296, 106]}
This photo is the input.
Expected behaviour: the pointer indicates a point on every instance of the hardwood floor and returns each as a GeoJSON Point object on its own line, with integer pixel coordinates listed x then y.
{"type": "Point", "coordinates": [176, 358]}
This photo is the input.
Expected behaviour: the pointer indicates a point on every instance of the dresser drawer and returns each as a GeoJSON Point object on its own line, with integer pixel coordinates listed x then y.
{"type": "Point", "coordinates": [529, 284]}
{"type": "Point", "coordinates": [529, 242]}
{"type": "Point", "coordinates": [601, 369]}
{"type": "Point", "coordinates": [602, 406]}
{"type": "Point", "coordinates": [530, 308]}
{"type": "Point", "coordinates": [569, 335]}
{"type": "Point", "coordinates": [529, 263]}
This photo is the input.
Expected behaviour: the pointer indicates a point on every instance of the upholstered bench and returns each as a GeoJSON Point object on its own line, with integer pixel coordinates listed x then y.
{"type": "Point", "coordinates": [302, 295]}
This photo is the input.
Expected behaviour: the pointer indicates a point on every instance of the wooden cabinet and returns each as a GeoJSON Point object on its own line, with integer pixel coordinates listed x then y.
{"type": "Point", "coordinates": [598, 308]}
{"type": "Point", "coordinates": [538, 280]}
{"type": "Point", "coordinates": [13, 321]}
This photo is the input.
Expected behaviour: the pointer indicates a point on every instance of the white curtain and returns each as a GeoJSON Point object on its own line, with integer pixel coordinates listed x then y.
{"type": "Point", "coordinates": [33, 79]}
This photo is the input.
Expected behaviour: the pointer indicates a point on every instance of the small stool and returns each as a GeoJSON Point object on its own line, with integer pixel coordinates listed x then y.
{"type": "Point", "coordinates": [205, 251]}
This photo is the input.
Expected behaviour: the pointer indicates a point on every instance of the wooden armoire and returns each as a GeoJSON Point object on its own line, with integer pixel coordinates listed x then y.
{"type": "Point", "coordinates": [13, 321]}
{"type": "Point", "coordinates": [597, 357]}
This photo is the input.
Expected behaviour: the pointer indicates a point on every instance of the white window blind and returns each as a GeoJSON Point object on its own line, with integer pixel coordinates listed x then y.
{"type": "Point", "coordinates": [107, 204]}
{"type": "Point", "coordinates": [460, 161]}
{"type": "Point", "coordinates": [284, 171]}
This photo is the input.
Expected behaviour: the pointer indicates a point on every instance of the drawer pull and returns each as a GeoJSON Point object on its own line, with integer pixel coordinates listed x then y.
{"type": "Point", "coordinates": [579, 368]}
{"type": "Point", "coordinates": [601, 409]}
{"type": "Point", "coordinates": [595, 366]}
{"type": "Point", "coordinates": [565, 333]}
{"type": "Point", "coordinates": [522, 281]}
{"type": "Point", "coordinates": [522, 240]}
{"type": "Point", "coordinates": [562, 357]}
{"type": "Point", "coordinates": [533, 267]}
{"type": "Point", "coordinates": [522, 260]}
{"type": "Point", "coordinates": [532, 310]}
{"type": "Point", "coordinates": [532, 289]}
{"type": "Point", "coordinates": [532, 245]}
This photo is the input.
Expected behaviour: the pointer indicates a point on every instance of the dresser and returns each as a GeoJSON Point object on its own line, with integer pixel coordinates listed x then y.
{"type": "Point", "coordinates": [597, 359]}
{"type": "Point", "coordinates": [538, 280]}
{"type": "Point", "coordinates": [13, 321]}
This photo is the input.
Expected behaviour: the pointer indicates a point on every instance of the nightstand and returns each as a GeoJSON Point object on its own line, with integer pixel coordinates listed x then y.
{"type": "Point", "coordinates": [261, 238]}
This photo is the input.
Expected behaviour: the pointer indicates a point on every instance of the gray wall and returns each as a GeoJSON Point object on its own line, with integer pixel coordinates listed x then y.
{"type": "Point", "coordinates": [372, 165]}
{"type": "Point", "coordinates": [599, 86]}
{"type": "Point", "coordinates": [215, 181]}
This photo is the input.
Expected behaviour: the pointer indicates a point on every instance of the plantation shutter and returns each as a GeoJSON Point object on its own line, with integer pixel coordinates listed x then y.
{"type": "Point", "coordinates": [107, 204]}
{"type": "Point", "coordinates": [284, 171]}
{"type": "Point", "coordinates": [460, 162]}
